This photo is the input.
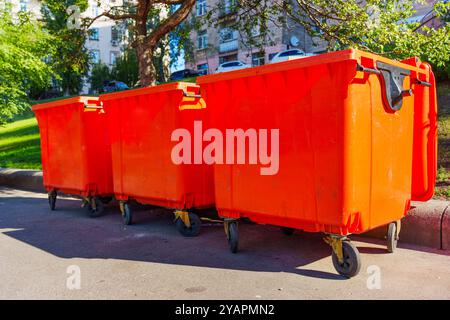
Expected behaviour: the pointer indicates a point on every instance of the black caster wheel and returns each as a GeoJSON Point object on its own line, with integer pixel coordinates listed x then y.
{"type": "Point", "coordinates": [106, 200]}
{"type": "Point", "coordinates": [193, 230]}
{"type": "Point", "coordinates": [52, 199]}
{"type": "Point", "coordinates": [127, 214]}
{"type": "Point", "coordinates": [287, 231]}
{"type": "Point", "coordinates": [233, 236]}
{"type": "Point", "coordinates": [392, 237]}
{"type": "Point", "coordinates": [94, 207]}
{"type": "Point", "coordinates": [351, 260]}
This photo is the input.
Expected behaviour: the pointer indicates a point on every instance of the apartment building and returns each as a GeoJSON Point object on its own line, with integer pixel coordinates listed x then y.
{"type": "Point", "coordinates": [105, 41]}
{"type": "Point", "coordinates": [213, 46]}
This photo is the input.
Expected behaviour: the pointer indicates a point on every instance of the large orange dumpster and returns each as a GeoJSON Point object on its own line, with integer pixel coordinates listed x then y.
{"type": "Point", "coordinates": [142, 123]}
{"type": "Point", "coordinates": [340, 127]}
{"type": "Point", "coordinates": [76, 156]}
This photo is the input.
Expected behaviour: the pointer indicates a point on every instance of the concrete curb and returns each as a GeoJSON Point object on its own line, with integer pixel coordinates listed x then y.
{"type": "Point", "coordinates": [30, 180]}
{"type": "Point", "coordinates": [427, 224]}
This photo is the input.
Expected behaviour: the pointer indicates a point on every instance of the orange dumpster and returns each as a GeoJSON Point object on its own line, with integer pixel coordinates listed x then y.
{"type": "Point", "coordinates": [142, 122]}
{"type": "Point", "coordinates": [76, 156]}
{"type": "Point", "coordinates": [329, 145]}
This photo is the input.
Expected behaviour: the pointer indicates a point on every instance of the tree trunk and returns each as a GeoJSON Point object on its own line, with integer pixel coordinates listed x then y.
{"type": "Point", "coordinates": [147, 70]}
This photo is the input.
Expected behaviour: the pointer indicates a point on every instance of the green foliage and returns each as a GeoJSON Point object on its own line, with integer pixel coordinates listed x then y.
{"type": "Point", "coordinates": [99, 74]}
{"type": "Point", "coordinates": [379, 26]}
{"type": "Point", "coordinates": [126, 68]}
{"type": "Point", "coordinates": [23, 48]}
{"type": "Point", "coordinates": [71, 61]}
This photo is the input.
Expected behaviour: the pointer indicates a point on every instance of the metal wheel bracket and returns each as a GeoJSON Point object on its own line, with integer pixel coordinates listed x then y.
{"type": "Point", "coordinates": [397, 230]}
{"type": "Point", "coordinates": [336, 244]}
{"type": "Point", "coordinates": [184, 216]}
{"type": "Point", "coordinates": [122, 208]}
{"type": "Point", "coordinates": [226, 225]}
{"type": "Point", "coordinates": [85, 202]}
{"type": "Point", "coordinates": [93, 204]}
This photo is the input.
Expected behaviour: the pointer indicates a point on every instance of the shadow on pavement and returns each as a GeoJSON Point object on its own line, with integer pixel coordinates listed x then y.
{"type": "Point", "coordinates": [69, 233]}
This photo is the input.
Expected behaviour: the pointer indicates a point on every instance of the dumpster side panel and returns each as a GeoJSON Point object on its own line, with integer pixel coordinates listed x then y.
{"type": "Point", "coordinates": [391, 158]}
{"type": "Point", "coordinates": [378, 152]}
{"type": "Point", "coordinates": [138, 151]}
{"type": "Point", "coordinates": [98, 150]}
{"type": "Point", "coordinates": [306, 192]}
{"type": "Point", "coordinates": [63, 159]}
{"type": "Point", "coordinates": [425, 138]}
{"type": "Point", "coordinates": [141, 127]}
{"type": "Point", "coordinates": [356, 120]}
{"type": "Point", "coordinates": [345, 160]}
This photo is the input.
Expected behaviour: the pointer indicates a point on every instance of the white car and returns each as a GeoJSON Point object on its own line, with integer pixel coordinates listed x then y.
{"type": "Point", "coordinates": [286, 55]}
{"type": "Point", "coordinates": [232, 65]}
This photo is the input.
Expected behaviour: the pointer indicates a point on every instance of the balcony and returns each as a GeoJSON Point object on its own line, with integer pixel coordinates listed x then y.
{"type": "Point", "coordinates": [228, 46]}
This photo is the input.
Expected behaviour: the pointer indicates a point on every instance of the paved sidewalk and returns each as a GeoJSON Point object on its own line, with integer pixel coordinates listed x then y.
{"type": "Point", "coordinates": [151, 260]}
{"type": "Point", "coordinates": [427, 224]}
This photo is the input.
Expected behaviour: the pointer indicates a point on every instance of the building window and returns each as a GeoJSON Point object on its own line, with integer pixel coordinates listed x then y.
{"type": "Point", "coordinates": [202, 39]}
{"type": "Point", "coordinates": [258, 59]}
{"type": "Point", "coordinates": [228, 34]}
{"type": "Point", "coordinates": [203, 68]}
{"type": "Point", "coordinates": [23, 5]}
{"type": "Point", "coordinates": [95, 56]}
{"type": "Point", "coordinates": [229, 6]}
{"type": "Point", "coordinates": [113, 57]}
{"type": "Point", "coordinates": [201, 7]}
{"type": "Point", "coordinates": [114, 34]}
{"type": "Point", "coordinates": [255, 31]}
{"type": "Point", "coordinates": [94, 10]}
{"type": "Point", "coordinates": [94, 34]}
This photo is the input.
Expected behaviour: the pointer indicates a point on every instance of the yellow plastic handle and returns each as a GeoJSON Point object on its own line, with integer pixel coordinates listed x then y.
{"type": "Point", "coordinates": [192, 102]}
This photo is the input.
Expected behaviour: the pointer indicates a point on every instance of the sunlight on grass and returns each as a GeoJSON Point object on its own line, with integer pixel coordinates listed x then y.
{"type": "Point", "coordinates": [20, 145]}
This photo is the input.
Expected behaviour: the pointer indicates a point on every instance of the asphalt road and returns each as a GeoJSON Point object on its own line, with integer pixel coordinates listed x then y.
{"type": "Point", "coordinates": [41, 252]}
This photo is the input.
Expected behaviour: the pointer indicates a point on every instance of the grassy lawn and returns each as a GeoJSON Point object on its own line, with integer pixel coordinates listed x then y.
{"type": "Point", "coordinates": [20, 146]}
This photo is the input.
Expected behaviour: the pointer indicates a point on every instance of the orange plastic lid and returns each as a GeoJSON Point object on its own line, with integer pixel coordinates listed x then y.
{"type": "Point", "coordinates": [350, 54]}
{"type": "Point", "coordinates": [185, 86]}
{"type": "Point", "coordinates": [64, 102]}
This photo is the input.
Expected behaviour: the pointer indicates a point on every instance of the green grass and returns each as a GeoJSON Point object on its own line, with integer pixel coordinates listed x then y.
{"type": "Point", "coordinates": [191, 79]}
{"type": "Point", "coordinates": [20, 144]}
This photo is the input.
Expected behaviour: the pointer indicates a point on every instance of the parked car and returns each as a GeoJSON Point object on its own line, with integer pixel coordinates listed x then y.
{"type": "Point", "coordinates": [232, 65]}
{"type": "Point", "coordinates": [186, 73]}
{"type": "Point", "coordinates": [111, 86]}
{"type": "Point", "coordinates": [286, 55]}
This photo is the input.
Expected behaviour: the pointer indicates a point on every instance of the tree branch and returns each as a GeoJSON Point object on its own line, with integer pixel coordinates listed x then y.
{"type": "Point", "coordinates": [111, 16]}
{"type": "Point", "coordinates": [170, 23]}
{"type": "Point", "coordinates": [170, 2]}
